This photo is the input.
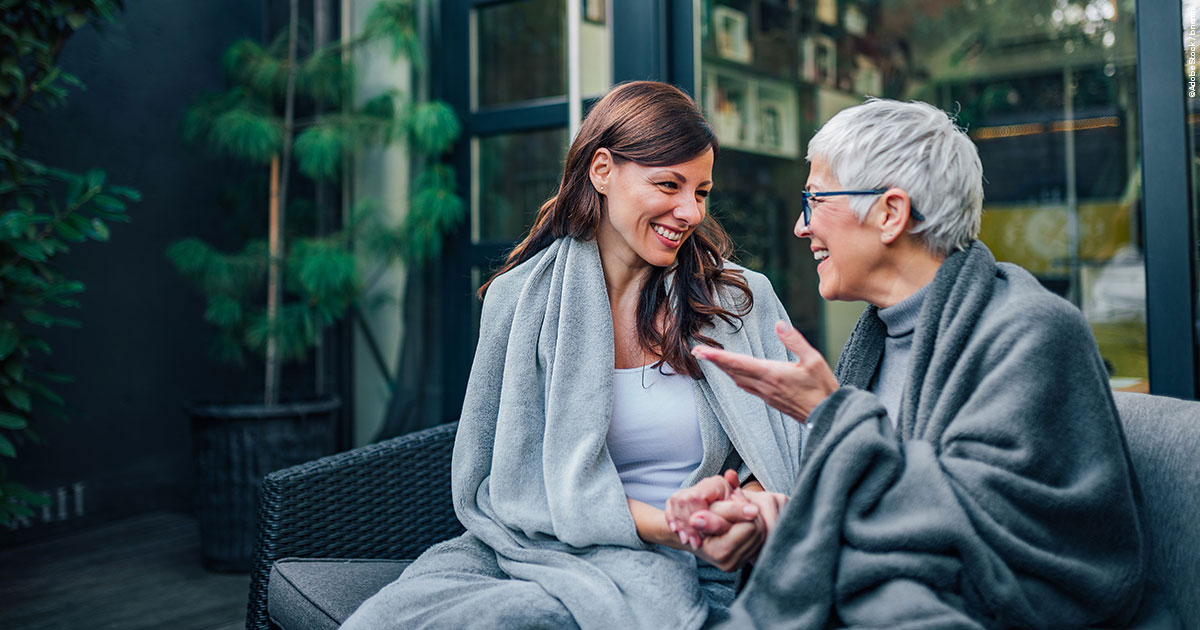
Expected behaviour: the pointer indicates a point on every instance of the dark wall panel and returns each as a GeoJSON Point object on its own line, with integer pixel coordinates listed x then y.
{"type": "Point", "coordinates": [142, 351]}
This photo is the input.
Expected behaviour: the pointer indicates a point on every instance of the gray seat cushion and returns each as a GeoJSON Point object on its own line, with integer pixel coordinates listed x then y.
{"type": "Point", "coordinates": [319, 594]}
{"type": "Point", "coordinates": [1164, 442]}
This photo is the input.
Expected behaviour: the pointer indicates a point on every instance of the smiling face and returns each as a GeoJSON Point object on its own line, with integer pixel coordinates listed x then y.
{"type": "Point", "coordinates": [848, 251]}
{"type": "Point", "coordinates": [650, 210]}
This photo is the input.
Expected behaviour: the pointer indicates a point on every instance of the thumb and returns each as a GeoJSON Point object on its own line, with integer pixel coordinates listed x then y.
{"type": "Point", "coordinates": [792, 339]}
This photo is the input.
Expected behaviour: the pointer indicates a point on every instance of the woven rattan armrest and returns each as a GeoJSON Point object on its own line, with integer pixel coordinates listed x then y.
{"type": "Point", "coordinates": [386, 500]}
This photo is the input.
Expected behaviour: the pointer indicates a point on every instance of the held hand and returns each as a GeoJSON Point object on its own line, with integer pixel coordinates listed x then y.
{"type": "Point", "coordinates": [743, 505]}
{"type": "Point", "coordinates": [687, 501]}
{"type": "Point", "coordinates": [739, 545]}
{"type": "Point", "coordinates": [793, 388]}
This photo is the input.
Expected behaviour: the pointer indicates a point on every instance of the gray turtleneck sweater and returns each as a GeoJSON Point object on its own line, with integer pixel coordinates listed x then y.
{"type": "Point", "coordinates": [900, 320]}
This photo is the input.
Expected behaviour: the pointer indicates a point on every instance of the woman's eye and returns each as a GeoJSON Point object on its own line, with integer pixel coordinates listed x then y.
{"type": "Point", "coordinates": [702, 193]}
{"type": "Point", "coordinates": [669, 185]}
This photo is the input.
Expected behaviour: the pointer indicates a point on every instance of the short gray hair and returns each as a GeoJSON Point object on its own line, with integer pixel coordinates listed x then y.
{"type": "Point", "coordinates": [915, 147]}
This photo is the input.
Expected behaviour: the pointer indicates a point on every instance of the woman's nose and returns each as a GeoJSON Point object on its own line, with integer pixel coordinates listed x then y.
{"type": "Point", "coordinates": [802, 231]}
{"type": "Point", "coordinates": [691, 211]}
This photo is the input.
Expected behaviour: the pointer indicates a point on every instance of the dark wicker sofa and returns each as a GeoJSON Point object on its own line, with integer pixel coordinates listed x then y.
{"type": "Point", "coordinates": [334, 531]}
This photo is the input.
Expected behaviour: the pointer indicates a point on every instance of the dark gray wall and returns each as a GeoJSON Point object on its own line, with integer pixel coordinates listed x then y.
{"type": "Point", "coordinates": [142, 351]}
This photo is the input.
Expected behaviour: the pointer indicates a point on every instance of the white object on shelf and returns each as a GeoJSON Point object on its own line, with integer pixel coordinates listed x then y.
{"type": "Point", "coordinates": [752, 114]}
{"type": "Point", "coordinates": [732, 33]}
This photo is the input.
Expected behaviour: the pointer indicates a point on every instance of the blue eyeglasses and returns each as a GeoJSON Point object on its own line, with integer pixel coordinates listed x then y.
{"type": "Point", "coordinates": [806, 210]}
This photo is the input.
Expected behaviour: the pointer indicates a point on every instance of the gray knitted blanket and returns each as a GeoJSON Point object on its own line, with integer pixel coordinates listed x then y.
{"type": "Point", "coordinates": [1005, 500]}
{"type": "Point", "coordinates": [550, 542]}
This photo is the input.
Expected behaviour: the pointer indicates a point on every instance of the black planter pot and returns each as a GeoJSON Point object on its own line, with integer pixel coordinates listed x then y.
{"type": "Point", "coordinates": [235, 446]}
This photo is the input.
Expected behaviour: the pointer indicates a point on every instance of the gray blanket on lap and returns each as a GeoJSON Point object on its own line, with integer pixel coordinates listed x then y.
{"type": "Point", "coordinates": [1005, 500]}
{"type": "Point", "coordinates": [533, 482]}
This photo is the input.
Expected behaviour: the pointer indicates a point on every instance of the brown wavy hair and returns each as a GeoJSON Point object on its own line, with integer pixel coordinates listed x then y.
{"type": "Point", "coordinates": [651, 124]}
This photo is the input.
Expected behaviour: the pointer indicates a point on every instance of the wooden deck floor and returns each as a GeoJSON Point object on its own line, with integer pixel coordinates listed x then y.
{"type": "Point", "coordinates": [139, 573]}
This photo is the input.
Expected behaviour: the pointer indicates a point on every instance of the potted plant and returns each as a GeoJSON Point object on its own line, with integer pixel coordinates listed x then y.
{"type": "Point", "coordinates": [288, 109]}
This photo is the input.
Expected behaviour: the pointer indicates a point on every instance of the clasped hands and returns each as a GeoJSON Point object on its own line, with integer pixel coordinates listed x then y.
{"type": "Point", "coordinates": [723, 522]}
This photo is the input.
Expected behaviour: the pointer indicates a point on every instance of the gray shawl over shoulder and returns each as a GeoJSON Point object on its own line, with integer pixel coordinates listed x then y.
{"type": "Point", "coordinates": [550, 540]}
{"type": "Point", "coordinates": [1004, 498]}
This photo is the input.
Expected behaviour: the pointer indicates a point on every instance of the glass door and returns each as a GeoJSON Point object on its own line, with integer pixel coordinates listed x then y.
{"type": "Point", "coordinates": [523, 72]}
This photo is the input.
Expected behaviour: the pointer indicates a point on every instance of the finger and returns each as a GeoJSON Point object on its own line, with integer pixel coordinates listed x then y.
{"type": "Point", "coordinates": [749, 546]}
{"type": "Point", "coordinates": [731, 478]}
{"type": "Point", "coordinates": [768, 507]}
{"type": "Point", "coordinates": [792, 339]}
{"type": "Point", "coordinates": [730, 362]}
{"type": "Point", "coordinates": [684, 503]}
{"type": "Point", "coordinates": [735, 511]}
{"type": "Point", "coordinates": [709, 523]}
{"type": "Point", "coordinates": [731, 550]}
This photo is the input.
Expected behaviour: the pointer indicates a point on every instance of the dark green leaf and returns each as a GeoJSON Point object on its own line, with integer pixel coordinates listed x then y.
{"type": "Point", "coordinates": [223, 312]}
{"type": "Point", "coordinates": [6, 447]}
{"type": "Point", "coordinates": [434, 126]}
{"type": "Point", "coordinates": [15, 369]}
{"type": "Point", "coordinates": [55, 377]}
{"type": "Point", "coordinates": [99, 231]}
{"type": "Point", "coordinates": [13, 223]}
{"type": "Point", "coordinates": [247, 134]}
{"type": "Point", "coordinates": [18, 397]}
{"type": "Point", "coordinates": [77, 20]}
{"type": "Point", "coordinates": [435, 210]}
{"type": "Point", "coordinates": [382, 106]}
{"type": "Point", "coordinates": [108, 203]}
{"type": "Point", "coordinates": [37, 318]}
{"type": "Point", "coordinates": [324, 77]}
{"type": "Point", "coordinates": [69, 232]}
{"type": "Point", "coordinates": [30, 251]}
{"type": "Point", "coordinates": [96, 178]}
{"type": "Point", "coordinates": [395, 21]}
{"type": "Point", "coordinates": [10, 421]}
{"type": "Point", "coordinates": [319, 149]}
{"type": "Point", "coordinates": [131, 194]}
{"type": "Point", "coordinates": [9, 338]}
{"type": "Point", "coordinates": [45, 393]}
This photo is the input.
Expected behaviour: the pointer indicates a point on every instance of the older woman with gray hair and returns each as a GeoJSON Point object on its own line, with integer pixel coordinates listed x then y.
{"type": "Point", "coordinates": [965, 466]}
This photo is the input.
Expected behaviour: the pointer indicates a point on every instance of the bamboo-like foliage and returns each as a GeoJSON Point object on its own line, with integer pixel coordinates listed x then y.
{"type": "Point", "coordinates": [289, 102]}
{"type": "Point", "coordinates": [43, 211]}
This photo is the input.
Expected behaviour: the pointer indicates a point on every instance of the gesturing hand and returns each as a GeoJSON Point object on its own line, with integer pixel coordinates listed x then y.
{"type": "Point", "coordinates": [793, 388]}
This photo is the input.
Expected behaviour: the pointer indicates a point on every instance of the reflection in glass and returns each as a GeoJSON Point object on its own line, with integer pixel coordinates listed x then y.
{"type": "Point", "coordinates": [520, 51]}
{"type": "Point", "coordinates": [516, 173]}
{"type": "Point", "coordinates": [595, 49]}
{"type": "Point", "coordinates": [1046, 89]}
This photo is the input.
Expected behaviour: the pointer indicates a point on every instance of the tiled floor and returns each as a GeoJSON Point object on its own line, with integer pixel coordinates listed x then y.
{"type": "Point", "coordinates": [140, 573]}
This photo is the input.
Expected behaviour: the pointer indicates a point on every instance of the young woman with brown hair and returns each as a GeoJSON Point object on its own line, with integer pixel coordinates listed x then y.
{"type": "Point", "coordinates": [585, 409]}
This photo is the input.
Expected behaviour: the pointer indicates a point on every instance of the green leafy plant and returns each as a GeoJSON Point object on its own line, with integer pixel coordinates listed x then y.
{"type": "Point", "coordinates": [43, 210]}
{"type": "Point", "coordinates": [276, 295]}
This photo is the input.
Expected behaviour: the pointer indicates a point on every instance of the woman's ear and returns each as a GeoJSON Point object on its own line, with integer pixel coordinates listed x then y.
{"type": "Point", "coordinates": [601, 169]}
{"type": "Point", "coordinates": [896, 207]}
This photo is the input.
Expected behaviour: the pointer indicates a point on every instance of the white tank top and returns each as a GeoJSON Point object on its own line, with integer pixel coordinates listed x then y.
{"type": "Point", "coordinates": [654, 436]}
